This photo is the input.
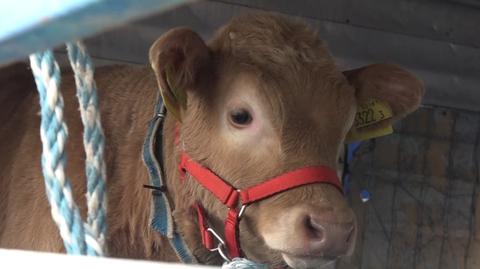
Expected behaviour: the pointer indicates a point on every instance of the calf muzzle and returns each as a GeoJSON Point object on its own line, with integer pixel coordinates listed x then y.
{"type": "Point", "coordinates": [238, 199]}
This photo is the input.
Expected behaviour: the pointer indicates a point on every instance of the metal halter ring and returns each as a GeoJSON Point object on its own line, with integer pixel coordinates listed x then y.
{"type": "Point", "coordinates": [221, 245]}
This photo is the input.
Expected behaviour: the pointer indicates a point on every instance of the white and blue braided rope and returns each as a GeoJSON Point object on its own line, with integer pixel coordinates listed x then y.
{"type": "Point", "coordinates": [53, 133]}
{"type": "Point", "coordinates": [78, 237]}
{"type": "Point", "coordinates": [93, 139]}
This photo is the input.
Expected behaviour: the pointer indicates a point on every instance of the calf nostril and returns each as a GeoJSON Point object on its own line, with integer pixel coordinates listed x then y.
{"type": "Point", "coordinates": [314, 229]}
{"type": "Point", "coordinates": [328, 238]}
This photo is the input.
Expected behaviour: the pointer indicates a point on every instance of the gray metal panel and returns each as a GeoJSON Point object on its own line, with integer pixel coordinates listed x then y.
{"type": "Point", "coordinates": [450, 71]}
{"type": "Point", "coordinates": [451, 21]}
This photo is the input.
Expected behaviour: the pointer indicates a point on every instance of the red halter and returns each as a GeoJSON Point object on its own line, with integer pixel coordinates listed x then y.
{"type": "Point", "coordinates": [229, 196]}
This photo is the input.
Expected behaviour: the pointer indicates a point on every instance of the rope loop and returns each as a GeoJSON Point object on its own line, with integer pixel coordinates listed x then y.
{"type": "Point", "coordinates": [79, 238]}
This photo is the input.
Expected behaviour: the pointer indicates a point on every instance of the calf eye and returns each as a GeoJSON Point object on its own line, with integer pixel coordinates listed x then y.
{"type": "Point", "coordinates": [240, 117]}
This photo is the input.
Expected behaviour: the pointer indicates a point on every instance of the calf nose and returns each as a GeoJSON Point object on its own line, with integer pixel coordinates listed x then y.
{"type": "Point", "coordinates": [325, 237]}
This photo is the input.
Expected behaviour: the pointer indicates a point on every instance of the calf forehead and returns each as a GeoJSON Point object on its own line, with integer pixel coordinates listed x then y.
{"type": "Point", "coordinates": [273, 43]}
{"type": "Point", "coordinates": [287, 56]}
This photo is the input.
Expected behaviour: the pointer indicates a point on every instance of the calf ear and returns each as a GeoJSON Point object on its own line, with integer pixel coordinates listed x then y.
{"type": "Point", "coordinates": [385, 93]}
{"type": "Point", "coordinates": [177, 58]}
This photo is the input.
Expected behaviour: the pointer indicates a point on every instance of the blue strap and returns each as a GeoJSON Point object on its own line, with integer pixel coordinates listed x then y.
{"type": "Point", "coordinates": [181, 249]}
{"type": "Point", "coordinates": [161, 217]}
{"type": "Point", "coordinates": [350, 150]}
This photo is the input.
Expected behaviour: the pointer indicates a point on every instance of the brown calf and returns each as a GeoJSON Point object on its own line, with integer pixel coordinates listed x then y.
{"type": "Point", "coordinates": [264, 97]}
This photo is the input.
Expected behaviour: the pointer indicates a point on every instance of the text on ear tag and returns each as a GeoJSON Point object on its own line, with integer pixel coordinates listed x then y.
{"type": "Point", "coordinates": [371, 112]}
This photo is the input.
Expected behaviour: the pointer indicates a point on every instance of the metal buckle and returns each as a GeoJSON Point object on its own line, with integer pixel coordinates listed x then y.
{"type": "Point", "coordinates": [221, 245]}
{"type": "Point", "coordinates": [242, 210]}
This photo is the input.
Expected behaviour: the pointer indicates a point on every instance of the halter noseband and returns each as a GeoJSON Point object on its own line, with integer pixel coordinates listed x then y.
{"type": "Point", "coordinates": [240, 198]}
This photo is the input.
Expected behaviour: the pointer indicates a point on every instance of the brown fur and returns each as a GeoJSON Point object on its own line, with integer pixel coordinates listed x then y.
{"type": "Point", "coordinates": [305, 102]}
{"type": "Point", "coordinates": [27, 224]}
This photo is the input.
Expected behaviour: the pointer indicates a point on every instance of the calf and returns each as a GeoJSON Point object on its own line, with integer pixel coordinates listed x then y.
{"type": "Point", "coordinates": [262, 100]}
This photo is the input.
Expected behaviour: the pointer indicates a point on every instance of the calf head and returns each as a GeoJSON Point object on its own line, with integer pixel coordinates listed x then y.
{"type": "Point", "coordinates": [264, 97]}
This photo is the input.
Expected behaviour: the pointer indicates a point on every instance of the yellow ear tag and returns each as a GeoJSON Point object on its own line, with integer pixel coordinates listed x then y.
{"type": "Point", "coordinates": [370, 113]}
{"type": "Point", "coordinates": [171, 108]}
{"type": "Point", "coordinates": [179, 95]}
{"type": "Point", "coordinates": [172, 105]}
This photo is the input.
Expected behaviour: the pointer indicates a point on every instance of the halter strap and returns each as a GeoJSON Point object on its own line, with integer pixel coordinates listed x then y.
{"type": "Point", "coordinates": [289, 180]}
{"type": "Point", "coordinates": [232, 197]}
